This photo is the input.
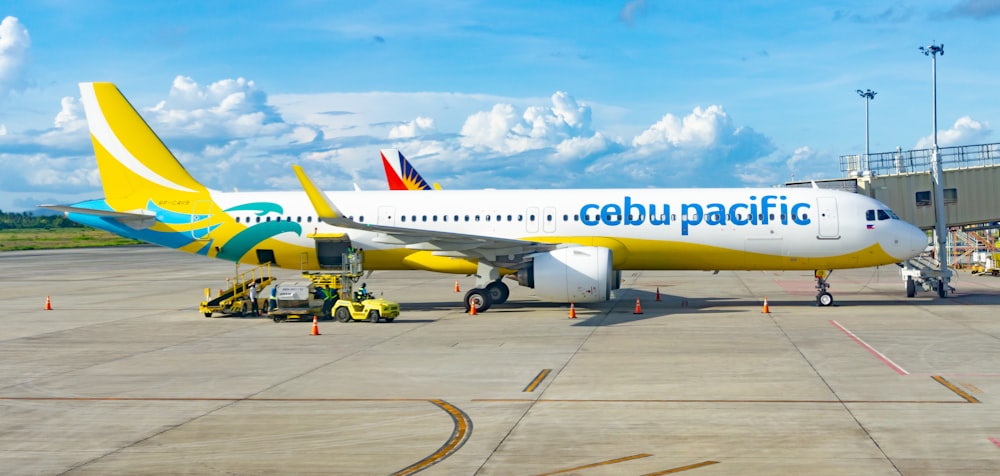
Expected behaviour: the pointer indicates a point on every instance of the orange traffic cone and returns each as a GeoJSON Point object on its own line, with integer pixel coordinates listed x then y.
{"type": "Point", "coordinates": [572, 311]}
{"type": "Point", "coordinates": [315, 331]}
{"type": "Point", "coordinates": [472, 307]}
{"type": "Point", "coordinates": [48, 304]}
{"type": "Point", "coordinates": [456, 287]}
{"type": "Point", "coordinates": [766, 310]}
{"type": "Point", "coordinates": [638, 308]}
{"type": "Point", "coordinates": [657, 294]}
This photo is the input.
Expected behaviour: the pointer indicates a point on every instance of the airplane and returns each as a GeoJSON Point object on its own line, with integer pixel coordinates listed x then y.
{"type": "Point", "coordinates": [570, 246]}
{"type": "Point", "coordinates": [407, 177]}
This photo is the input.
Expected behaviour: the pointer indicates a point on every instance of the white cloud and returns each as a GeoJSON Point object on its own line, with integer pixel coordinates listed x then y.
{"type": "Point", "coordinates": [701, 128]}
{"type": "Point", "coordinates": [417, 127]}
{"type": "Point", "coordinates": [14, 44]}
{"type": "Point", "coordinates": [229, 108]}
{"type": "Point", "coordinates": [965, 131]}
{"type": "Point", "coordinates": [3, 130]}
{"type": "Point", "coordinates": [503, 130]}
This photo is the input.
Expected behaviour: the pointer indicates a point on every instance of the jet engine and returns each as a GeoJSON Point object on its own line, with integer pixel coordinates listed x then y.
{"type": "Point", "coordinates": [572, 274]}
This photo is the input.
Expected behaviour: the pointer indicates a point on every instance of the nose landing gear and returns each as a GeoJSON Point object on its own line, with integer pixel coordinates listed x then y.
{"type": "Point", "coordinates": [823, 298]}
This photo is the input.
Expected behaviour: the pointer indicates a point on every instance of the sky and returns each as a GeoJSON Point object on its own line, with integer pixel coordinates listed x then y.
{"type": "Point", "coordinates": [478, 94]}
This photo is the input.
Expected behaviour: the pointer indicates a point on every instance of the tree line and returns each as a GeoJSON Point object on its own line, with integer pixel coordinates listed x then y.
{"type": "Point", "coordinates": [21, 220]}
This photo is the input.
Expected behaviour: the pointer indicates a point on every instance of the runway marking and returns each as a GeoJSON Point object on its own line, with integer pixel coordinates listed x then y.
{"type": "Point", "coordinates": [459, 435]}
{"type": "Point", "coordinates": [871, 349]}
{"type": "Point", "coordinates": [534, 383]}
{"type": "Point", "coordinates": [682, 468]}
{"type": "Point", "coordinates": [694, 400]}
{"type": "Point", "coordinates": [953, 388]}
{"type": "Point", "coordinates": [602, 463]}
{"type": "Point", "coordinates": [485, 400]}
{"type": "Point", "coordinates": [995, 441]}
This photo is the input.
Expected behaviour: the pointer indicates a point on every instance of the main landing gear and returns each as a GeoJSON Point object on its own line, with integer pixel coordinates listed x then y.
{"type": "Point", "coordinates": [823, 298]}
{"type": "Point", "coordinates": [489, 289]}
{"type": "Point", "coordinates": [495, 292]}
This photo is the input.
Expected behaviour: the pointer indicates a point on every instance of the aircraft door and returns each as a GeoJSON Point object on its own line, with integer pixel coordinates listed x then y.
{"type": "Point", "coordinates": [549, 219]}
{"type": "Point", "coordinates": [531, 217]}
{"type": "Point", "coordinates": [202, 218]}
{"type": "Point", "coordinates": [829, 224]}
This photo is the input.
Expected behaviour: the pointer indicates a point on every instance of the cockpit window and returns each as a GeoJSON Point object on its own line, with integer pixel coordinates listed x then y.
{"type": "Point", "coordinates": [870, 215]}
{"type": "Point", "coordinates": [882, 215]}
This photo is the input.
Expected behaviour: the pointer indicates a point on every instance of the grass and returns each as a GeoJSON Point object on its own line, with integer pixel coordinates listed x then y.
{"type": "Point", "coordinates": [46, 238]}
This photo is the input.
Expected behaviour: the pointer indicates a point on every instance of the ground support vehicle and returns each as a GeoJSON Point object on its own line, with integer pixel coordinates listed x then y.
{"type": "Point", "coordinates": [235, 300]}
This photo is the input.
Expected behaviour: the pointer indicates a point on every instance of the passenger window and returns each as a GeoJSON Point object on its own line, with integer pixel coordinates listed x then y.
{"type": "Point", "coordinates": [434, 218]}
{"type": "Point", "coordinates": [423, 218]}
{"type": "Point", "coordinates": [268, 219]}
{"type": "Point", "coordinates": [870, 215]}
{"type": "Point", "coordinates": [309, 219]}
{"type": "Point", "coordinates": [477, 217]}
{"type": "Point", "coordinates": [466, 217]}
{"type": "Point", "coordinates": [487, 217]}
{"type": "Point", "coordinates": [510, 218]}
{"type": "Point", "coordinates": [531, 217]}
{"type": "Point", "coordinates": [520, 218]}
{"type": "Point", "coordinates": [361, 218]}
{"type": "Point", "coordinates": [456, 217]}
{"type": "Point", "coordinates": [576, 217]}
{"type": "Point", "coordinates": [402, 218]}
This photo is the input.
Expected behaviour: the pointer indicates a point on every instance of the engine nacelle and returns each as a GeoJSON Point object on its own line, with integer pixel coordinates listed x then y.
{"type": "Point", "coordinates": [572, 274]}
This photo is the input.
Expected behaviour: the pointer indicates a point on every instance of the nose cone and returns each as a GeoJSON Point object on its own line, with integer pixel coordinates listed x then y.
{"type": "Point", "coordinates": [903, 240]}
{"type": "Point", "coordinates": [917, 240]}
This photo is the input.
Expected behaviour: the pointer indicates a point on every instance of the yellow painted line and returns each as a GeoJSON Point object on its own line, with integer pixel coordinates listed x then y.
{"type": "Point", "coordinates": [534, 383]}
{"type": "Point", "coordinates": [602, 463]}
{"type": "Point", "coordinates": [459, 435]}
{"type": "Point", "coordinates": [683, 468]}
{"type": "Point", "coordinates": [953, 388]}
{"type": "Point", "coordinates": [646, 400]}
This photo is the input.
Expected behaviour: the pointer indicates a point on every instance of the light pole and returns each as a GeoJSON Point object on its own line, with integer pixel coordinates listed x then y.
{"type": "Point", "coordinates": [938, 189]}
{"type": "Point", "coordinates": [868, 94]}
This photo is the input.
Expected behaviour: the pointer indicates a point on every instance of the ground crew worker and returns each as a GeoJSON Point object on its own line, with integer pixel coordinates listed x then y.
{"type": "Point", "coordinates": [273, 301]}
{"type": "Point", "coordinates": [255, 309]}
{"type": "Point", "coordinates": [329, 299]}
{"type": "Point", "coordinates": [362, 293]}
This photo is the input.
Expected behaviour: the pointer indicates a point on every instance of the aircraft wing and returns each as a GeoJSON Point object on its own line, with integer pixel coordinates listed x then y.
{"type": "Point", "coordinates": [138, 220]}
{"type": "Point", "coordinates": [500, 251]}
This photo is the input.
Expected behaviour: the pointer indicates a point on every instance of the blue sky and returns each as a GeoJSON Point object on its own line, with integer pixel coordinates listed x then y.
{"type": "Point", "coordinates": [640, 93]}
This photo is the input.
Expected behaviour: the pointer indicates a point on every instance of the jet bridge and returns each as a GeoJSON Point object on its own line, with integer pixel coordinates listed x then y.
{"type": "Point", "coordinates": [902, 180]}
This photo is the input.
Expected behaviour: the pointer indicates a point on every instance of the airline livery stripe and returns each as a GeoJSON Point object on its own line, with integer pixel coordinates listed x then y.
{"type": "Point", "coordinates": [102, 133]}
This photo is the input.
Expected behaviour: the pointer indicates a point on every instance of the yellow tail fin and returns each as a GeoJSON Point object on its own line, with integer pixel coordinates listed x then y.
{"type": "Point", "coordinates": [134, 164]}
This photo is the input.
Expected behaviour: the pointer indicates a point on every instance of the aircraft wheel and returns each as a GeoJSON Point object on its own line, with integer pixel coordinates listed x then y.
{"type": "Point", "coordinates": [911, 288]}
{"type": "Point", "coordinates": [373, 316]}
{"type": "Point", "coordinates": [342, 314]}
{"type": "Point", "coordinates": [276, 318]}
{"type": "Point", "coordinates": [498, 292]}
{"type": "Point", "coordinates": [478, 296]}
{"type": "Point", "coordinates": [824, 299]}
{"type": "Point", "coordinates": [942, 289]}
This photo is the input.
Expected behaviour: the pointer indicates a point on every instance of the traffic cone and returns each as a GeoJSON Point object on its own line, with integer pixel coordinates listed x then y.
{"type": "Point", "coordinates": [657, 294]}
{"type": "Point", "coordinates": [766, 310]}
{"type": "Point", "coordinates": [572, 311]}
{"type": "Point", "coordinates": [472, 307]}
{"type": "Point", "coordinates": [48, 304]}
{"type": "Point", "coordinates": [638, 308]}
{"type": "Point", "coordinates": [315, 331]}
{"type": "Point", "coordinates": [456, 287]}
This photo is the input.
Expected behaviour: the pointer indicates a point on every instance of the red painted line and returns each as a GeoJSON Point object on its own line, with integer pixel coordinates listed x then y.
{"type": "Point", "coordinates": [995, 442]}
{"type": "Point", "coordinates": [877, 354]}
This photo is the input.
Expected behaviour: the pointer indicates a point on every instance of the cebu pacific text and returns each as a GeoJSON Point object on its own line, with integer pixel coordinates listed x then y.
{"type": "Point", "coordinates": [769, 209]}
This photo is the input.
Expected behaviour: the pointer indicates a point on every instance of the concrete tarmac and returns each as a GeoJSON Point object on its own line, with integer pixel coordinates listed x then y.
{"type": "Point", "coordinates": [124, 376]}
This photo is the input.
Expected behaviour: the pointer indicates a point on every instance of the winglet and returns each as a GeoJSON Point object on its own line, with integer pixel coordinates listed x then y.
{"type": "Point", "coordinates": [327, 211]}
